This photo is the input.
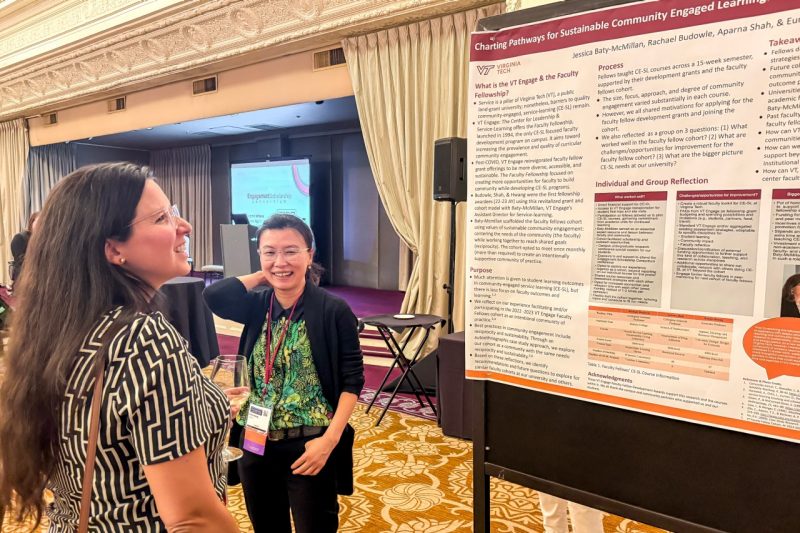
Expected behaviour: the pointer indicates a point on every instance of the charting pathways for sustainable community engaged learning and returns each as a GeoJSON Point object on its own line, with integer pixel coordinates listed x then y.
{"type": "Point", "coordinates": [635, 187]}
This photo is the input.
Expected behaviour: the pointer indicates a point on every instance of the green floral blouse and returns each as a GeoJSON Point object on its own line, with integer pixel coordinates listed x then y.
{"type": "Point", "coordinates": [293, 390]}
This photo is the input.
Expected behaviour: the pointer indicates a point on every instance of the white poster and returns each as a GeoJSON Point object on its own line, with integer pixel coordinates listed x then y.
{"type": "Point", "coordinates": [634, 210]}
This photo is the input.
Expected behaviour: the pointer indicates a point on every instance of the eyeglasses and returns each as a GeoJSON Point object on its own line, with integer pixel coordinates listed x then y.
{"type": "Point", "coordinates": [290, 254]}
{"type": "Point", "coordinates": [167, 215]}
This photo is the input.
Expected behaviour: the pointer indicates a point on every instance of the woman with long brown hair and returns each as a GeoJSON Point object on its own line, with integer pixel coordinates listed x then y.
{"type": "Point", "coordinates": [106, 240]}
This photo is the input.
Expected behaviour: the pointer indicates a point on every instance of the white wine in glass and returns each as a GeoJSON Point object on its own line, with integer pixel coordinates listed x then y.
{"type": "Point", "coordinates": [230, 374]}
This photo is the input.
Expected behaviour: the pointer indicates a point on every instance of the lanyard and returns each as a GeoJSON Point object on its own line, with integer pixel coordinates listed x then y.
{"type": "Point", "coordinates": [271, 356]}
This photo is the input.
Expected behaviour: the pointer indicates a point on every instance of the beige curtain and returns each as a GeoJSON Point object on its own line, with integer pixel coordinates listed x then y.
{"type": "Point", "coordinates": [13, 154]}
{"type": "Point", "coordinates": [410, 85]}
{"type": "Point", "coordinates": [185, 176]}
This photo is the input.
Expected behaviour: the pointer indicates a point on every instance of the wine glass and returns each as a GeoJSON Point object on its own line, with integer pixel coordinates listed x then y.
{"type": "Point", "coordinates": [230, 373]}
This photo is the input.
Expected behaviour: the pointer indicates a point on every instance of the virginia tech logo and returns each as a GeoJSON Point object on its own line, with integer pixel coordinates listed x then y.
{"type": "Point", "coordinates": [483, 70]}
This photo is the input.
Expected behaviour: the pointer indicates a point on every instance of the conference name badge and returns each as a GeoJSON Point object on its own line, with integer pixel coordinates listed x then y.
{"type": "Point", "coordinates": [257, 429]}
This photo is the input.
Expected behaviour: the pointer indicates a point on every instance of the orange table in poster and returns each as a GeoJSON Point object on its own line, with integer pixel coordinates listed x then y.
{"type": "Point", "coordinates": [685, 344]}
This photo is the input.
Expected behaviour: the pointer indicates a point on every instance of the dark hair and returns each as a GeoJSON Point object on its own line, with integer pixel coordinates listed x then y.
{"type": "Point", "coordinates": [284, 221]}
{"type": "Point", "coordinates": [66, 286]}
{"type": "Point", "coordinates": [788, 287]}
{"type": "Point", "coordinates": [31, 220]}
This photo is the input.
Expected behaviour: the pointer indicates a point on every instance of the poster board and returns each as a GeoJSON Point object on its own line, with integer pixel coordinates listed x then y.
{"type": "Point", "coordinates": [630, 462]}
{"type": "Point", "coordinates": [635, 192]}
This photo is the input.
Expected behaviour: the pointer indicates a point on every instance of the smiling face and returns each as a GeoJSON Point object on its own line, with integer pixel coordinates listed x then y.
{"type": "Point", "coordinates": [155, 252]}
{"type": "Point", "coordinates": [285, 258]}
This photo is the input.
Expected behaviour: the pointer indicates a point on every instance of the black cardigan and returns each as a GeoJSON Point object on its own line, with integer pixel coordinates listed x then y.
{"type": "Point", "coordinates": [333, 334]}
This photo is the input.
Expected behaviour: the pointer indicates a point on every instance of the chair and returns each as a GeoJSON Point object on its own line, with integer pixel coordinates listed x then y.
{"type": "Point", "coordinates": [212, 272]}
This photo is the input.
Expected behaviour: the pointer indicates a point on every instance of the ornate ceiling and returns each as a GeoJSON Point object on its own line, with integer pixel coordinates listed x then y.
{"type": "Point", "coordinates": [59, 54]}
{"type": "Point", "coordinates": [29, 29]}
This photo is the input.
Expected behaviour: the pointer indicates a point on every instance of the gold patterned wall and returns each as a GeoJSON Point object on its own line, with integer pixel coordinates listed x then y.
{"type": "Point", "coordinates": [165, 41]}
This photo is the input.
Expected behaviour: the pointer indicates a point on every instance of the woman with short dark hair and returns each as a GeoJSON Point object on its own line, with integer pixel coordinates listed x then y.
{"type": "Point", "coordinates": [306, 374]}
{"type": "Point", "coordinates": [106, 240]}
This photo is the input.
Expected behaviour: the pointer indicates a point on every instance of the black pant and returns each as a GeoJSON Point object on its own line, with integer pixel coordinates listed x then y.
{"type": "Point", "coordinates": [271, 490]}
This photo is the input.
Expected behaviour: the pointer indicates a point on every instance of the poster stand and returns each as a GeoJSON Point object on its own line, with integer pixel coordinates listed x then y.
{"type": "Point", "coordinates": [668, 473]}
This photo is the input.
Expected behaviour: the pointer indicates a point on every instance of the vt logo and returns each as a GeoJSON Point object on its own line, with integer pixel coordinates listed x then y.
{"type": "Point", "coordinates": [483, 70]}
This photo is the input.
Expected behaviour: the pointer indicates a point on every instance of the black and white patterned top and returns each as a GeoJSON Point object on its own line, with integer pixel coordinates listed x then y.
{"type": "Point", "coordinates": [157, 406]}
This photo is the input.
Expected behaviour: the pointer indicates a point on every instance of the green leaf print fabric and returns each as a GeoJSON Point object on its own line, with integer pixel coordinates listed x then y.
{"type": "Point", "coordinates": [293, 391]}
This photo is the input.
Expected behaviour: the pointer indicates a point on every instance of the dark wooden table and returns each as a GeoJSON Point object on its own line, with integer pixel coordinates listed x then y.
{"type": "Point", "coordinates": [385, 325]}
{"type": "Point", "coordinates": [190, 315]}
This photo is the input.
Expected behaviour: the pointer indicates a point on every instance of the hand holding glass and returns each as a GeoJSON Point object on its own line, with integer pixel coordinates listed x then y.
{"type": "Point", "coordinates": [230, 373]}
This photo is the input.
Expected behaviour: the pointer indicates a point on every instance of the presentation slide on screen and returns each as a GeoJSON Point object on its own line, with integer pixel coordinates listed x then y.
{"type": "Point", "coordinates": [264, 188]}
{"type": "Point", "coordinates": [634, 234]}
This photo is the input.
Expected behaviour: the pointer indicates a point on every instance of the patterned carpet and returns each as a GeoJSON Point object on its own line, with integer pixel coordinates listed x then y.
{"type": "Point", "coordinates": [403, 403]}
{"type": "Point", "coordinates": [411, 478]}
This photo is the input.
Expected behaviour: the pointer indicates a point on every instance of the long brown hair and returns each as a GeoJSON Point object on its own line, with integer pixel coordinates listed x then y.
{"type": "Point", "coordinates": [66, 286]}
